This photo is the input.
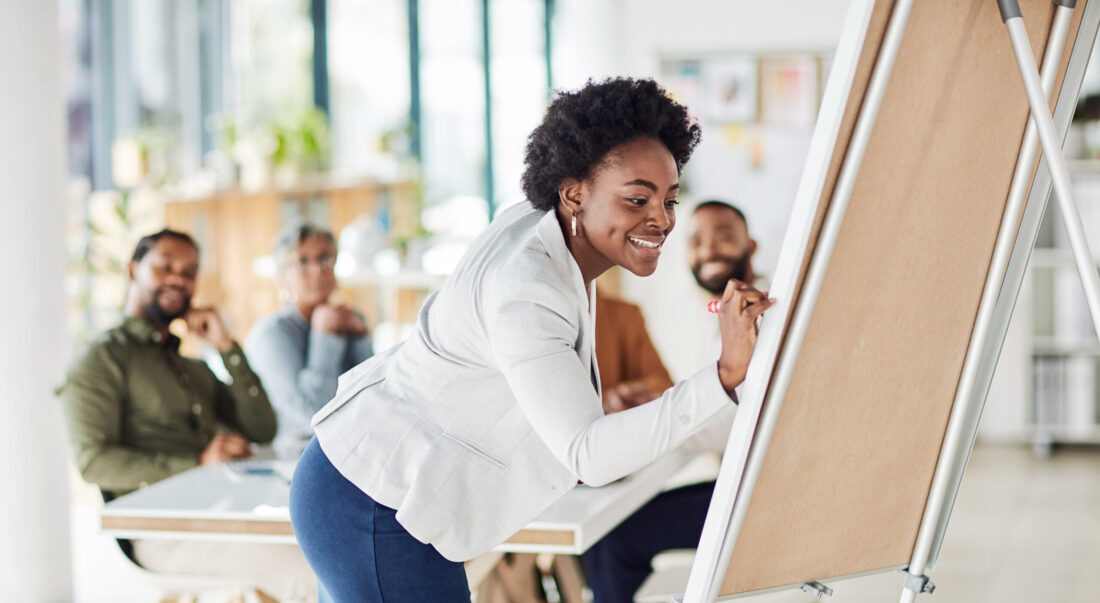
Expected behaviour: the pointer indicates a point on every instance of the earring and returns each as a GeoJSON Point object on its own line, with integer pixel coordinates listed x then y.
{"type": "Point", "coordinates": [574, 225]}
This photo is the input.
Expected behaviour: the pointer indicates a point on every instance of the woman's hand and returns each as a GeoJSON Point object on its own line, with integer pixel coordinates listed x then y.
{"type": "Point", "coordinates": [740, 306]}
{"type": "Point", "coordinates": [338, 319]}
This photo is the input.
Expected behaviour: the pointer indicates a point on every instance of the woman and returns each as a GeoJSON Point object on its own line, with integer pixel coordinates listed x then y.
{"type": "Point", "coordinates": [440, 449]}
{"type": "Point", "coordinates": [301, 350]}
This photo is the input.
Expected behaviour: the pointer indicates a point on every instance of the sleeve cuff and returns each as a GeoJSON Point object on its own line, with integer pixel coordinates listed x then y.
{"type": "Point", "coordinates": [710, 396]}
{"type": "Point", "coordinates": [713, 384]}
{"type": "Point", "coordinates": [234, 360]}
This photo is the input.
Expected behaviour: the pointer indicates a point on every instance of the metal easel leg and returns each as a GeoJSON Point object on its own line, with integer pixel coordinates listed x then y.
{"type": "Point", "coordinates": [1052, 151]}
{"type": "Point", "coordinates": [916, 581]}
{"type": "Point", "coordinates": [1030, 191]}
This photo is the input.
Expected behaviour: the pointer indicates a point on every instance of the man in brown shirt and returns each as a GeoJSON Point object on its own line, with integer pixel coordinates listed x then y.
{"type": "Point", "coordinates": [720, 249]}
{"type": "Point", "coordinates": [631, 371]}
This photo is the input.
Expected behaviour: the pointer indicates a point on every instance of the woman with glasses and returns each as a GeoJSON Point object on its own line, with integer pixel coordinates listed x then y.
{"type": "Point", "coordinates": [300, 351]}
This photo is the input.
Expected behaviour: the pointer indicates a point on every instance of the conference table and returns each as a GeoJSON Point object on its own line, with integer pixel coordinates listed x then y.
{"type": "Point", "coordinates": [248, 501]}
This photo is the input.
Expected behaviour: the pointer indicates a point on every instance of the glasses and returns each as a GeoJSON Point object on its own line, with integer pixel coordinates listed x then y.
{"type": "Point", "coordinates": [324, 262]}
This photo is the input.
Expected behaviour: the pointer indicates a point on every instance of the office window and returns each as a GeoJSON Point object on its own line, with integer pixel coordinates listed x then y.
{"type": "Point", "coordinates": [147, 72]}
{"type": "Point", "coordinates": [78, 82]}
{"type": "Point", "coordinates": [518, 88]}
{"type": "Point", "coordinates": [452, 99]}
{"type": "Point", "coordinates": [143, 69]}
{"type": "Point", "coordinates": [160, 71]}
{"type": "Point", "coordinates": [368, 67]}
{"type": "Point", "coordinates": [272, 59]}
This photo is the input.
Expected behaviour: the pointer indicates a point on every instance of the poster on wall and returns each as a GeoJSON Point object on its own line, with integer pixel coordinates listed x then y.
{"type": "Point", "coordinates": [729, 89]}
{"type": "Point", "coordinates": [789, 90]}
{"type": "Point", "coordinates": [682, 80]}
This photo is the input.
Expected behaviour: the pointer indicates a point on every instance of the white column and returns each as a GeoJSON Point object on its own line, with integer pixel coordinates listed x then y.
{"type": "Point", "coordinates": [35, 561]}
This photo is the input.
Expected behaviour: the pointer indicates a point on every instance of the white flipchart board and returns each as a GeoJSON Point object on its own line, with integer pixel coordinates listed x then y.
{"type": "Point", "coordinates": [844, 476]}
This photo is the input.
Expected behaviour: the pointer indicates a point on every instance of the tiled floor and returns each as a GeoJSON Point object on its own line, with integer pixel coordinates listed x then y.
{"type": "Point", "coordinates": [1024, 530]}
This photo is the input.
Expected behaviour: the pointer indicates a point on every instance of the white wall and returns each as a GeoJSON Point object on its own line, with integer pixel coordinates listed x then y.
{"type": "Point", "coordinates": [34, 524]}
{"type": "Point", "coordinates": [629, 37]}
{"type": "Point", "coordinates": [657, 27]}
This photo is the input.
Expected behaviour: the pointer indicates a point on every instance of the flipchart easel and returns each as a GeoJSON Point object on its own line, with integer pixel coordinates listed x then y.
{"type": "Point", "coordinates": [770, 372]}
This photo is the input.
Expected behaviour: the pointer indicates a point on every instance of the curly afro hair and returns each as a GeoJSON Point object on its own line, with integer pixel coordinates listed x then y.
{"type": "Point", "coordinates": [581, 127]}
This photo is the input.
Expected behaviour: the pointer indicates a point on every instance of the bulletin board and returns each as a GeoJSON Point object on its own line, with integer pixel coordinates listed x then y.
{"type": "Point", "coordinates": [846, 475]}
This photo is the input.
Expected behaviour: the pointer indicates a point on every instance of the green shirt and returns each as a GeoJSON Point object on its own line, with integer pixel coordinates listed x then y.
{"type": "Point", "coordinates": [139, 412]}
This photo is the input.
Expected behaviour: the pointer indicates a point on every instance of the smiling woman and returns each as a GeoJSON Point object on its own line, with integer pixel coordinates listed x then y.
{"type": "Point", "coordinates": [625, 211]}
{"type": "Point", "coordinates": [608, 158]}
{"type": "Point", "coordinates": [434, 452]}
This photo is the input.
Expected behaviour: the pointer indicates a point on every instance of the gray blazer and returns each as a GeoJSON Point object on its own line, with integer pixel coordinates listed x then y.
{"type": "Point", "coordinates": [491, 410]}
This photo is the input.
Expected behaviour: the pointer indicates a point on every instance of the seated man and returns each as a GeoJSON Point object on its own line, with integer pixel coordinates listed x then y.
{"type": "Point", "coordinates": [631, 371]}
{"type": "Point", "coordinates": [138, 412]}
{"type": "Point", "coordinates": [617, 565]}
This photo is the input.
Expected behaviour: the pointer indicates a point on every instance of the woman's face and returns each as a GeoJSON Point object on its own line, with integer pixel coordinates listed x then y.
{"type": "Point", "coordinates": [309, 272]}
{"type": "Point", "coordinates": [627, 206]}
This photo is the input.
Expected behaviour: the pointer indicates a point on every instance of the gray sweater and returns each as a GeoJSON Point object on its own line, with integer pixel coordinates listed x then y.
{"type": "Point", "coordinates": [299, 368]}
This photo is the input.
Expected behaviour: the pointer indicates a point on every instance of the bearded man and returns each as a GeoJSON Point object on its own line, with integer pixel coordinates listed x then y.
{"type": "Point", "coordinates": [719, 250]}
{"type": "Point", "coordinates": [138, 412]}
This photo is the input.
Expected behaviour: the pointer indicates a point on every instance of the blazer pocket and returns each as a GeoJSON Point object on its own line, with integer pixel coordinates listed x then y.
{"type": "Point", "coordinates": [343, 398]}
{"type": "Point", "coordinates": [474, 448]}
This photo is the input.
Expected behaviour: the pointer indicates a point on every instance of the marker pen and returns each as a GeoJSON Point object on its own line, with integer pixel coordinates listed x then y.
{"type": "Point", "coordinates": [714, 305]}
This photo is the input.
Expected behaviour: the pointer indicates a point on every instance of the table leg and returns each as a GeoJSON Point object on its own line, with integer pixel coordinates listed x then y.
{"type": "Point", "coordinates": [569, 577]}
{"type": "Point", "coordinates": [514, 579]}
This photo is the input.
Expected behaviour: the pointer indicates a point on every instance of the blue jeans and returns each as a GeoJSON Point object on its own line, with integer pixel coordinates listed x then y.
{"type": "Point", "coordinates": [357, 548]}
{"type": "Point", "coordinates": [619, 563]}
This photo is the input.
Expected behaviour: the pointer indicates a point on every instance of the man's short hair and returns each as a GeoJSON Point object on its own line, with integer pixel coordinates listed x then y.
{"type": "Point", "coordinates": [721, 204]}
{"type": "Point", "coordinates": [150, 241]}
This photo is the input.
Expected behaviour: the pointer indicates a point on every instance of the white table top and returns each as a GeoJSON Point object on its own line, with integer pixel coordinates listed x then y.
{"type": "Point", "coordinates": [249, 502]}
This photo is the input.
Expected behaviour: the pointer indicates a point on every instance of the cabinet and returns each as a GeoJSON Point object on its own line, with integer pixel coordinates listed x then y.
{"type": "Point", "coordinates": [1051, 357]}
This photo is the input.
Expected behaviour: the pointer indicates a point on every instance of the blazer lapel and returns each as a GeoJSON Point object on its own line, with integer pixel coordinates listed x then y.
{"type": "Point", "coordinates": [592, 342]}
{"type": "Point", "coordinates": [549, 232]}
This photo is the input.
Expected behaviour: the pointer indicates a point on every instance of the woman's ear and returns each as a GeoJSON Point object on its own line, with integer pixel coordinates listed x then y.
{"type": "Point", "coordinates": [569, 195]}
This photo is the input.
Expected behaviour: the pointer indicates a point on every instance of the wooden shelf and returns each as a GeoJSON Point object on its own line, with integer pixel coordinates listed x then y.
{"type": "Point", "coordinates": [234, 228]}
{"type": "Point", "coordinates": [1060, 346]}
{"type": "Point", "coordinates": [1060, 434]}
{"type": "Point", "coordinates": [1052, 257]}
{"type": "Point", "coordinates": [1084, 167]}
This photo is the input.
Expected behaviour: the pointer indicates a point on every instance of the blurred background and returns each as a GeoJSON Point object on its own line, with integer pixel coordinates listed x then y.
{"type": "Point", "coordinates": [400, 125]}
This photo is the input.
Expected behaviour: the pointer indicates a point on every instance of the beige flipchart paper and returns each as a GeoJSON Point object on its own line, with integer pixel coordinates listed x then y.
{"type": "Point", "coordinates": [848, 469]}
